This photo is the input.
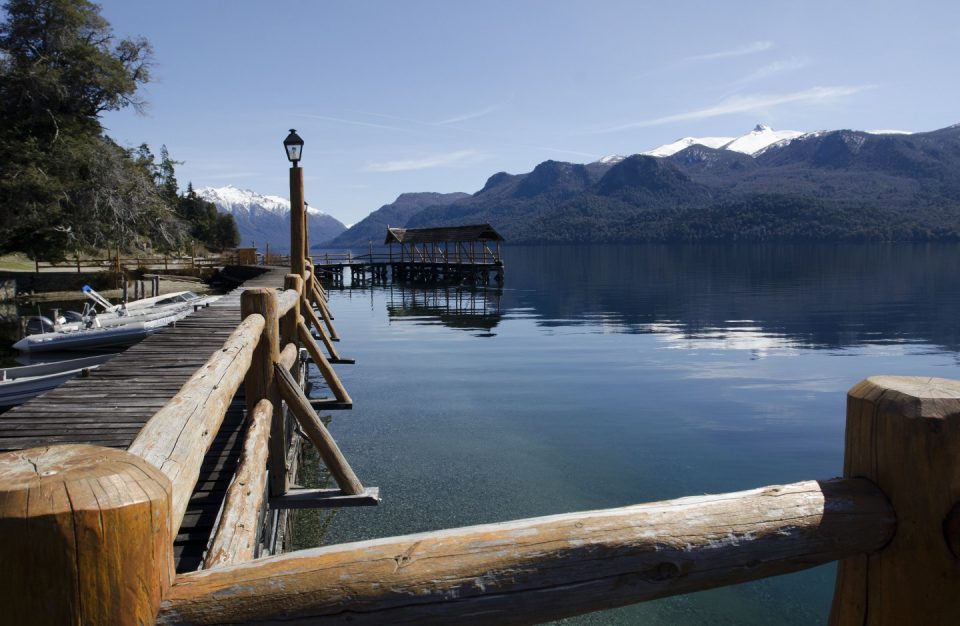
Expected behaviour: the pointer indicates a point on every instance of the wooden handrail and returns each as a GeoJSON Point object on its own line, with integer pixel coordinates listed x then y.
{"type": "Point", "coordinates": [235, 540]}
{"type": "Point", "coordinates": [286, 300]}
{"type": "Point", "coordinates": [546, 568]}
{"type": "Point", "coordinates": [259, 382]}
{"type": "Point", "coordinates": [178, 436]}
{"type": "Point", "coordinates": [311, 316]}
{"type": "Point", "coordinates": [326, 370]}
{"type": "Point", "coordinates": [317, 433]}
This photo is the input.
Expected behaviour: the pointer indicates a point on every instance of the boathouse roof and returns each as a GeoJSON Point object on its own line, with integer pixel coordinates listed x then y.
{"type": "Point", "coordinates": [473, 232]}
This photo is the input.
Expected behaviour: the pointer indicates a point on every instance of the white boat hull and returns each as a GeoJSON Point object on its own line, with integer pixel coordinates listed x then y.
{"type": "Point", "coordinates": [112, 330]}
{"type": "Point", "coordinates": [19, 384]}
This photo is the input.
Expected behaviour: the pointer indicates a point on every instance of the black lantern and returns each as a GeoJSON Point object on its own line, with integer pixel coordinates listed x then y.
{"type": "Point", "coordinates": [293, 144]}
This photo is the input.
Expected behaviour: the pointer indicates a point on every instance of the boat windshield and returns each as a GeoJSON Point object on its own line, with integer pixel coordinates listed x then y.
{"type": "Point", "coordinates": [187, 296]}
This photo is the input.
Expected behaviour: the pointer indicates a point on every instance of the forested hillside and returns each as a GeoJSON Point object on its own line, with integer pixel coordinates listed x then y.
{"type": "Point", "coordinates": [64, 184]}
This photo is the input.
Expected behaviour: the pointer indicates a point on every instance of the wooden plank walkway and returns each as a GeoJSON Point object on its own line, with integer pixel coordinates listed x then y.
{"type": "Point", "coordinates": [109, 407]}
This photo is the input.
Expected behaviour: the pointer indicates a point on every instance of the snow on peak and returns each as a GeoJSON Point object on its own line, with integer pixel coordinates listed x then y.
{"type": "Point", "coordinates": [752, 143]}
{"type": "Point", "coordinates": [761, 137]}
{"type": "Point", "coordinates": [611, 159]}
{"type": "Point", "coordinates": [681, 144]}
{"type": "Point", "coordinates": [232, 199]}
{"type": "Point", "coordinates": [888, 132]}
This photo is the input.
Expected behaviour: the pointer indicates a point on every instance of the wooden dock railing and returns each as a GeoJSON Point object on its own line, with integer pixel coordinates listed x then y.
{"type": "Point", "coordinates": [143, 263]}
{"type": "Point", "coordinates": [110, 516]}
{"type": "Point", "coordinates": [80, 524]}
{"type": "Point", "coordinates": [86, 533]}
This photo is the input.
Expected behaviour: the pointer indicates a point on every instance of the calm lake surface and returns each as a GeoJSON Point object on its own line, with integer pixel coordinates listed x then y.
{"type": "Point", "coordinates": [607, 376]}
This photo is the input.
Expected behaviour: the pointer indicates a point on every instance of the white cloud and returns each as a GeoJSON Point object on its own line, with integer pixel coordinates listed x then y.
{"type": "Point", "coordinates": [772, 69]}
{"type": "Point", "coordinates": [745, 104]}
{"type": "Point", "coordinates": [471, 115]}
{"type": "Point", "coordinates": [753, 48]}
{"type": "Point", "coordinates": [340, 120]}
{"type": "Point", "coordinates": [437, 160]}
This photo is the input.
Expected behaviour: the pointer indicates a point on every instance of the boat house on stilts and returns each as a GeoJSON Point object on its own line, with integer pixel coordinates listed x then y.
{"type": "Point", "coordinates": [451, 254]}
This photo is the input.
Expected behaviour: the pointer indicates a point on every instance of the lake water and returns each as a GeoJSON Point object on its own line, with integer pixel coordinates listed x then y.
{"type": "Point", "coordinates": [607, 376]}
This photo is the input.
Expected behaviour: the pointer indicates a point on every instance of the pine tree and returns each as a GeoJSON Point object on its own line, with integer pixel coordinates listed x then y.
{"type": "Point", "coordinates": [60, 68]}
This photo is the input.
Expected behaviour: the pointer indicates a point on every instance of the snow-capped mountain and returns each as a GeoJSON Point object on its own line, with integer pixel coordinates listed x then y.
{"type": "Point", "coordinates": [265, 220]}
{"type": "Point", "coordinates": [760, 138]}
{"type": "Point", "coordinates": [751, 143]}
{"type": "Point", "coordinates": [680, 144]}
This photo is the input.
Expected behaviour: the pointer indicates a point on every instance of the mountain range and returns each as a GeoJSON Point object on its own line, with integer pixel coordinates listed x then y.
{"type": "Point", "coordinates": [265, 220]}
{"type": "Point", "coordinates": [397, 213]}
{"type": "Point", "coordinates": [763, 185]}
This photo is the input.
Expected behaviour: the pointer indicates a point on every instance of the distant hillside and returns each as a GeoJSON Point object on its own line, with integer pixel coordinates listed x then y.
{"type": "Point", "coordinates": [397, 213]}
{"type": "Point", "coordinates": [834, 185]}
{"type": "Point", "coordinates": [265, 220]}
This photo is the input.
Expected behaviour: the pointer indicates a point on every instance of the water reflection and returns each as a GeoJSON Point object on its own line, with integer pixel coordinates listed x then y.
{"type": "Point", "coordinates": [627, 374]}
{"type": "Point", "coordinates": [462, 308]}
{"type": "Point", "coordinates": [753, 297]}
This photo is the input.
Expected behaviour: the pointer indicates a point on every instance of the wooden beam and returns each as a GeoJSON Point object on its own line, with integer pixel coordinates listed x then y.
{"type": "Point", "coordinates": [325, 313]}
{"type": "Point", "coordinates": [259, 381]}
{"type": "Point", "coordinates": [235, 540]}
{"type": "Point", "coordinates": [326, 370]}
{"type": "Point", "coordinates": [288, 356]}
{"type": "Point", "coordinates": [178, 436]}
{"type": "Point", "coordinates": [547, 568]}
{"type": "Point", "coordinates": [318, 434]}
{"type": "Point", "coordinates": [287, 299]}
{"type": "Point", "coordinates": [291, 320]}
{"type": "Point", "coordinates": [85, 536]}
{"type": "Point", "coordinates": [903, 433]}
{"type": "Point", "coordinates": [325, 499]}
{"type": "Point", "coordinates": [311, 316]}
{"type": "Point", "coordinates": [325, 404]}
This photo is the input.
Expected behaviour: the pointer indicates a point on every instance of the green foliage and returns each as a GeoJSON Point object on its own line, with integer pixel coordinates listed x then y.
{"type": "Point", "coordinates": [64, 185]}
{"type": "Point", "coordinates": [216, 230]}
{"type": "Point", "coordinates": [60, 68]}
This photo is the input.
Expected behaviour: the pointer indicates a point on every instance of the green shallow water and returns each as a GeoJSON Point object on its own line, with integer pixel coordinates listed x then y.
{"type": "Point", "coordinates": [606, 376]}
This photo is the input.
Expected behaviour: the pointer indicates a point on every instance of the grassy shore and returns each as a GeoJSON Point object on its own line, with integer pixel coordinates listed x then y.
{"type": "Point", "coordinates": [18, 262]}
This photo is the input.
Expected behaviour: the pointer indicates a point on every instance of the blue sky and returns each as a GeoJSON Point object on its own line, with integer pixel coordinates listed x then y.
{"type": "Point", "coordinates": [392, 97]}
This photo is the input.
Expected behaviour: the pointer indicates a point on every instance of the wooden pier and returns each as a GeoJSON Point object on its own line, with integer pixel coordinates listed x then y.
{"type": "Point", "coordinates": [109, 488]}
{"type": "Point", "coordinates": [111, 406]}
{"type": "Point", "coordinates": [454, 255]}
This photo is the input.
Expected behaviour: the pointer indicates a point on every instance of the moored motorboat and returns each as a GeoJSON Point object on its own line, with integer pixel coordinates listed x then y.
{"type": "Point", "coordinates": [111, 326]}
{"type": "Point", "coordinates": [117, 333]}
{"type": "Point", "coordinates": [19, 384]}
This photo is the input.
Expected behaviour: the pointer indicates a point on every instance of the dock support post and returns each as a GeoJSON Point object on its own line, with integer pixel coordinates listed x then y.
{"type": "Point", "coordinates": [317, 433]}
{"type": "Point", "coordinates": [85, 536]}
{"type": "Point", "coordinates": [903, 433]}
{"type": "Point", "coordinates": [290, 323]}
{"type": "Point", "coordinates": [259, 381]}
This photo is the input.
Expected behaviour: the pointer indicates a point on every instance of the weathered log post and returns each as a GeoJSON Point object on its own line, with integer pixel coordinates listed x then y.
{"type": "Point", "coordinates": [85, 536]}
{"type": "Point", "coordinates": [903, 433]}
{"type": "Point", "coordinates": [290, 324]}
{"type": "Point", "coordinates": [259, 383]}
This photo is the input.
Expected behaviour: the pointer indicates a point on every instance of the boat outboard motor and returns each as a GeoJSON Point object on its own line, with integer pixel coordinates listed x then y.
{"type": "Point", "coordinates": [39, 324]}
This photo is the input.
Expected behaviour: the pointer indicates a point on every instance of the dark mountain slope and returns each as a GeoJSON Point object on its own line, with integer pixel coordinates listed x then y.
{"type": "Point", "coordinates": [397, 213]}
{"type": "Point", "coordinates": [838, 185]}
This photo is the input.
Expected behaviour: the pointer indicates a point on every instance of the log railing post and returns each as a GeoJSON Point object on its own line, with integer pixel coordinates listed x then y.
{"type": "Point", "coordinates": [85, 536]}
{"type": "Point", "coordinates": [259, 381]}
{"type": "Point", "coordinates": [903, 433]}
{"type": "Point", "coordinates": [290, 324]}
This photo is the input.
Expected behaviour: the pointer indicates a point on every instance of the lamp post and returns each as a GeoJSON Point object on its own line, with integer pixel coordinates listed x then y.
{"type": "Point", "coordinates": [293, 144]}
